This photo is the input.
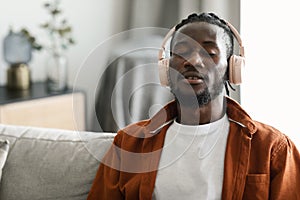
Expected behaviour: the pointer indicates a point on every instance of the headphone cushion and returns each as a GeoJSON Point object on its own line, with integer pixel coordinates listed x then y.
{"type": "Point", "coordinates": [163, 68]}
{"type": "Point", "coordinates": [236, 67]}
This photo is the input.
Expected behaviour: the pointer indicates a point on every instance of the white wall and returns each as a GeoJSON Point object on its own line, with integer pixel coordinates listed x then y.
{"type": "Point", "coordinates": [270, 92]}
{"type": "Point", "coordinates": [91, 21]}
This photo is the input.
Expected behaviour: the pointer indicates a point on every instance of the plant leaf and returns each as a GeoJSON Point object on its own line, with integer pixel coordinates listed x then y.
{"type": "Point", "coordinates": [71, 41]}
{"type": "Point", "coordinates": [56, 12]}
{"type": "Point", "coordinates": [47, 5]}
{"type": "Point", "coordinates": [45, 25]}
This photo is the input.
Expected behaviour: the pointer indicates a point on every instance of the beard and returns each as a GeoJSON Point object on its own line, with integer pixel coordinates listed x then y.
{"type": "Point", "coordinates": [200, 99]}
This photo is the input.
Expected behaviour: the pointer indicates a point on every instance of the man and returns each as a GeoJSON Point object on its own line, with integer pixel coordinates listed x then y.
{"type": "Point", "coordinates": [203, 145]}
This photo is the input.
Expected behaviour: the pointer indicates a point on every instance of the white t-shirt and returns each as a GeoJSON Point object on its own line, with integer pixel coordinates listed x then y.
{"type": "Point", "coordinates": [192, 162]}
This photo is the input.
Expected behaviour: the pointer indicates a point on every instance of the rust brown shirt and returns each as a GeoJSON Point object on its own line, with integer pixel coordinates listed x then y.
{"type": "Point", "coordinates": [260, 161]}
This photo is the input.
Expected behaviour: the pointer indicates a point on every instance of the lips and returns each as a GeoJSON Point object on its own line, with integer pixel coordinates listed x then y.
{"type": "Point", "coordinates": [193, 77]}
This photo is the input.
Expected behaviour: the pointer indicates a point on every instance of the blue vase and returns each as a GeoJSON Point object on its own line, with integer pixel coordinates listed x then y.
{"type": "Point", "coordinates": [17, 53]}
{"type": "Point", "coordinates": [16, 48]}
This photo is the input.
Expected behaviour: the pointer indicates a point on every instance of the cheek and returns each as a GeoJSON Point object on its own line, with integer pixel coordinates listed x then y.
{"type": "Point", "coordinates": [222, 66]}
{"type": "Point", "coordinates": [175, 67]}
{"type": "Point", "coordinates": [175, 63]}
{"type": "Point", "coordinates": [222, 70]}
{"type": "Point", "coordinates": [219, 71]}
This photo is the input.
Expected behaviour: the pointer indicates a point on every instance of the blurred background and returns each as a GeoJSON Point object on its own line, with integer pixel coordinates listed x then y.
{"type": "Point", "coordinates": [268, 30]}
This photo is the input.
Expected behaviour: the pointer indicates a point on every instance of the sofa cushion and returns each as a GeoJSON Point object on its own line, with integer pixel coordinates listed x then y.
{"type": "Point", "coordinates": [50, 163]}
{"type": "Point", "coordinates": [4, 146]}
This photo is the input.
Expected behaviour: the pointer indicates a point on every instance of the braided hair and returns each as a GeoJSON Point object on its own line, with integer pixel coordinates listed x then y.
{"type": "Point", "coordinates": [210, 18]}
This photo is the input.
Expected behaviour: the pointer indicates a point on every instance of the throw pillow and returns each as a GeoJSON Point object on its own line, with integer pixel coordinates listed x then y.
{"type": "Point", "coordinates": [4, 146]}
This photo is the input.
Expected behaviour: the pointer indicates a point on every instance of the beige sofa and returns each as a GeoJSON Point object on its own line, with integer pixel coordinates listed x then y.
{"type": "Point", "coordinates": [50, 163]}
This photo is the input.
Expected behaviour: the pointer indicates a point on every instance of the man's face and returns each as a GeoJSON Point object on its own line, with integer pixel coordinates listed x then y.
{"type": "Point", "coordinates": [198, 62]}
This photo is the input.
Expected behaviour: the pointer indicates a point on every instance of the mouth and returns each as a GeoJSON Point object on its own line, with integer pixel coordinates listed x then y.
{"type": "Point", "coordinates": [193, 78]}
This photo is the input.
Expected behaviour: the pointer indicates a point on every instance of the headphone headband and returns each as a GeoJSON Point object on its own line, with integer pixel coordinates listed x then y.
{"type": "Point", "coordinates": [237, 37]}
{"type": "Point", "coordinates": [161, 53]}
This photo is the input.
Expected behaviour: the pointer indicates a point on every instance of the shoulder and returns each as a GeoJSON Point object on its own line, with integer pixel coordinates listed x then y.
{"type": "Point", "coordinates": [266, 130]}
{"type": "Point", "coordinates": [269, 136]}
{"type": "Point", "coordinates": [131, 136]}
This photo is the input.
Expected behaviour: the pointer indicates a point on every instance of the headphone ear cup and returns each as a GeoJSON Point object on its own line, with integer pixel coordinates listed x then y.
{"type": "Point", "coordinates": [163, 68]}
{"type": "Point", "coordinates": [236, 67]}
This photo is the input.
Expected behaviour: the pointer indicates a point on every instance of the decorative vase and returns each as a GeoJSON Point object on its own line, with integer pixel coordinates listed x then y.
{"type": "Point", "coordinates": [17, 52]}
{"type": "Point", "coordinates": [18, 77]}
{"type": "Point", "coordinates": [57, 72]}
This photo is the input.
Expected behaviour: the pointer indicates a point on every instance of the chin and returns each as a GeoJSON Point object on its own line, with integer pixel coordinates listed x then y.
{"type": "Point", "coordinates": [190, 97]}
{"type": "Point", "coordinates": [196, 96]}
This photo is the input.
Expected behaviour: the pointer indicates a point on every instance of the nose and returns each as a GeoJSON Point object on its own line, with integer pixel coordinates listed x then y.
{"type": "Point", "coordinates": [195, 60]}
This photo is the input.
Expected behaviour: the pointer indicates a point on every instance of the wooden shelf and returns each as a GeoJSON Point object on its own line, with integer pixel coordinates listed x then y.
{"type": "Point", "coordinates": [37, 107]}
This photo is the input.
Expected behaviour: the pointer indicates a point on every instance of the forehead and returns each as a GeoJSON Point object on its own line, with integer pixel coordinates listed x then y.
{"type": "Point", "coordinates": [200, 32]}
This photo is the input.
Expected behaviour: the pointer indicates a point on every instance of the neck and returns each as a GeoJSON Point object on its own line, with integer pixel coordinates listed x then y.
{"type": "Point", "coordinates": [204, 114]}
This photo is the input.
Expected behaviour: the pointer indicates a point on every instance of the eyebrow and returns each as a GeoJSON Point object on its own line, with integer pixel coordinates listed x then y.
{"type": "Point", "coordinates": [205, 43]}
{"type": "Point", "coordinates": [210, 43]}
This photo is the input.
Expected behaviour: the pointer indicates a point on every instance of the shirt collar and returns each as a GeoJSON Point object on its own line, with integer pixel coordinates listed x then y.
{"type": "Point", "coordinates": [168, 113]}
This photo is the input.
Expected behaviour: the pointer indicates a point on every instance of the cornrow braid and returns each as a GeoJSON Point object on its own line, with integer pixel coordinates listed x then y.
{"type": "Point", "coordinates": [210, 18]}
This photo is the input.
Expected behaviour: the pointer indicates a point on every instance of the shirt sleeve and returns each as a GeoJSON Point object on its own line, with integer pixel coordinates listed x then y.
{"type": "Point", "coordinates": [106, 183]}
{"type": "Point", "coordinates": [285, 171]}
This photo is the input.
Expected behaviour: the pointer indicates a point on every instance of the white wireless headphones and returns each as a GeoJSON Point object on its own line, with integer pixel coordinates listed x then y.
{"type": "Point", "coordinates": [236, 62]}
